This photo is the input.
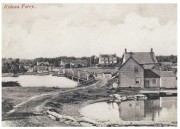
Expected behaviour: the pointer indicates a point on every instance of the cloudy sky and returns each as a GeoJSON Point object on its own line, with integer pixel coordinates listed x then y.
{"type": "Point", "coordinates": [52, 30]}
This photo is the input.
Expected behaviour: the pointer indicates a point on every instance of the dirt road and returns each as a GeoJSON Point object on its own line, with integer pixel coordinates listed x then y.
{"type": "Point", "coordinates": [30, 112]}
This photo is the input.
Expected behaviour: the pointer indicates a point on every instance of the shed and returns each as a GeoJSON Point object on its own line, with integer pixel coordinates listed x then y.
{"type": "Point", "coordinates": [168, 79]}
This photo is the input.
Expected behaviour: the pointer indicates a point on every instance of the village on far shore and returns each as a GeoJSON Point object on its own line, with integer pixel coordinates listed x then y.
{"type": "Point", "coordinates": [133, 69]}
{"type": "Point", "coordinates": [135, 88]}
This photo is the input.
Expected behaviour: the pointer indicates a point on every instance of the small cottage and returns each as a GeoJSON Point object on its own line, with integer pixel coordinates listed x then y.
{"type": "Point", "coordinates": [168, 80]}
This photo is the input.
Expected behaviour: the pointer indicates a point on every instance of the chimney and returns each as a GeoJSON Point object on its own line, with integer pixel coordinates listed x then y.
{"type": "Point", "coordinates": [130, 54]}
{"type": "Point", "coordinates": [151, 49]}
{"type": "Point", "coordinates": [125, 50]}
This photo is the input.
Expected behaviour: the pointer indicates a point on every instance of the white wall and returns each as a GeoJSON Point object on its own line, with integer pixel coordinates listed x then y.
{"type": "Point", "coordinates": [168, 82]}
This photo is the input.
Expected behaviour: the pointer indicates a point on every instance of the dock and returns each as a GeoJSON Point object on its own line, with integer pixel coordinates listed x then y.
{"type": "Point", "coordinates": [159, 92]}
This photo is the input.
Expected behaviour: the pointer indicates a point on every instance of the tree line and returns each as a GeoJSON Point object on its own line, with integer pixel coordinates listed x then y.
{"type": "Point", "coordinates": [10, 65]}
{"type": "Point", "coordinates": [171, 58]}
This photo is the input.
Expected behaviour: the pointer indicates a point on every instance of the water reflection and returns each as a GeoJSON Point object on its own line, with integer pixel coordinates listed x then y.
{"type": "Point", "coordinates": [37, 81]}
{"type": "Point", "coordinates": [162, 109]}
{"type": "Point", "coordinates": [131, 110]}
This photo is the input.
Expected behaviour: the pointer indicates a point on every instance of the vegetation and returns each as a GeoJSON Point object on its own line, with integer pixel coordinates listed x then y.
{"type": "Point", "coordinates": [171, 58]}
{"type": "Point", "coordinates": [12, 66]}
{"type": "Point", "coordinates": [10, 84]}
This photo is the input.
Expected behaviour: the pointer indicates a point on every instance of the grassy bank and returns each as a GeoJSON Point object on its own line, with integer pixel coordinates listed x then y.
{"type": "Point", "coordinates": [64, 101]}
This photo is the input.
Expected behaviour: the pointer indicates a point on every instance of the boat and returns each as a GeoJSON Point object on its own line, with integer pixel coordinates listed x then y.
{"type": "Point", "coordinates": [140, 97]}
{"type": "Point", "coordinates": [43, 73]}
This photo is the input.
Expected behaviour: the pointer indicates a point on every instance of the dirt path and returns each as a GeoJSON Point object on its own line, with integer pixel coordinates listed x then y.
{"type": "Point", "coordinates": [32, 108]}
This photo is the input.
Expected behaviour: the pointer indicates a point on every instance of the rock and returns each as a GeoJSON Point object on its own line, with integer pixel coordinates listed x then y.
{"type": "Point", "coordinates": [85, 124]}
{"type": "Point", "coordinates": [67, 122]}
{"type": "Point", "coordinates": [52, 117]}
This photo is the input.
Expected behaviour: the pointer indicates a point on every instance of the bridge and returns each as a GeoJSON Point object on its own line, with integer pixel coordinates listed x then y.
{"type": "Point", "coordinates": [77, 75]}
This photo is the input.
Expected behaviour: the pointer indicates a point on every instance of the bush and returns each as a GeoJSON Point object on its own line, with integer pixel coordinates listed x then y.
{"type": "Point", "coordinates": [10, 84]}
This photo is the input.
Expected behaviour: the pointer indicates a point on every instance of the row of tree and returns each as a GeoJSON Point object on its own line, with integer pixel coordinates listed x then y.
{"type": "Point", "coordinates": [171, 58]}
{"type": "Point", "coordinates": [10, 65]}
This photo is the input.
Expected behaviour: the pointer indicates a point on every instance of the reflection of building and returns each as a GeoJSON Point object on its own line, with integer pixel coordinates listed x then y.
{"type": "Point", "coordinates": [131, 110]}
{"type": "Point", "coordinates": [162, 109]}
{"type": "Point", "coordinates": [139, 110]}
{"type": "Point", "coordinates": [151, 109]}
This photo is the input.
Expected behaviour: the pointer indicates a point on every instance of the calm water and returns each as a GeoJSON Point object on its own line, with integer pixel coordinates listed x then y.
{"type": "Point", "coordinates": [163, 109]}
{"type": "Point", "coordinates": [46, 80]}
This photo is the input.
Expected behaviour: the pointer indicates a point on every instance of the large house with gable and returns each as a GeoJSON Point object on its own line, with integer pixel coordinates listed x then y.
{"type": "Point", "coordinates": [107, 59]}
{"type": "Point", "coordinates": [139, 69]}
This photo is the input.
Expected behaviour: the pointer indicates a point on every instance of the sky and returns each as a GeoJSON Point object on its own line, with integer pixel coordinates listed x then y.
{"type": "Point", "coordinates": [53, 30]}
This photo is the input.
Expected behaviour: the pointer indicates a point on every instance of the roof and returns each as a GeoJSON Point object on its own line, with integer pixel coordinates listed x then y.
{"type": "Point", "coordinates": [142, 57]}
{"type": "Point", "coordinates": [167, 74]}
{"type": "Point", "coordinates": [74, 61]}
{"type": "Point", "coordinates": [107, 55]}
{"type": "Point", "coordinates": [128, 60]}
{"type": "Point", "coordinates": [79, 61]}
{"type": "Point", "coordinates": [150, 74]}
{"type": "Point", "coordinates": [45, 63]}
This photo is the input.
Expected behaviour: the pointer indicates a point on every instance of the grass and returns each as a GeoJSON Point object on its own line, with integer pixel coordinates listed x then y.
{"type": "Point", "coordinates": [97, 70]}
{"type": "Point", "coordinates": [16, 95]}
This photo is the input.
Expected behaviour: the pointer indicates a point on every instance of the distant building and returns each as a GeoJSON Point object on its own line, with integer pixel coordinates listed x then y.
{"type": "Point", "coordinates": [73, 63]}
{"type": "Point", "coordinates": [107, 59]}
{"type": "Point", "coordinates": [79, 63]}
{"type": "Point", "coordinates": [42, 67]}
{"type": "Point", "coordinates": [138, 69]}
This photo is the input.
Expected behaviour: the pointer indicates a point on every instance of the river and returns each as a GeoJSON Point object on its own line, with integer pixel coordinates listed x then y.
{"type": "Point", "coordinates": [38, 81]}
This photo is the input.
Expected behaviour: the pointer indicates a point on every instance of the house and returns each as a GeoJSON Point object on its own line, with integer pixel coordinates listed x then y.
{"type": "Point", "coordinates": [139, 69]}
{"type": "Point", "coordinates": [168, 79]}
{"type": "Point", "coordinates": [42, 67]}
{"type": "Point", "coordinates": [79, 63]}
{"type": "Point", "coordinates": [73, 63]}
{"type": "Point", "coordinates": [146, 59]}
{"type": "Point", "coordinates": [107, 59]}
{"type": "Point", "coordinates": [151, 79]}
{"type": "Point", "coordinates": [131, 74]}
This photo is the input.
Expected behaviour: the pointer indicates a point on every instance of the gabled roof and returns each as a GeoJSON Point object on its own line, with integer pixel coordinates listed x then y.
{"type": "Point", "coordinates": [167, 74]}
{"type": "Point", "coordinates": [45, 63]}
{"type": "Point", "coordinates": [107, 55]}
{"type": "Point", "coordinates": [150, 74]}
{"type": "Point", "coordinates": [141, 57]}
{"type": "Point", "coordinates": [128, 60]}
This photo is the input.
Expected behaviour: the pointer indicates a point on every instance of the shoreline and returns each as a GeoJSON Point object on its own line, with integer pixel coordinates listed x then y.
{"type": "Point", "coordinates": [66, 102]}
{"type": "Point", "coordinates": [91, 122]}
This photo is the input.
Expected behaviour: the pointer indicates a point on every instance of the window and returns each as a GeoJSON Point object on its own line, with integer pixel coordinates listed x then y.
{"type": "Point", "coordinates": [154, 81]}
{"type": "Point", "coordinates": [137, 80]}
{"type": "Point", "coordinates": [136, 69]}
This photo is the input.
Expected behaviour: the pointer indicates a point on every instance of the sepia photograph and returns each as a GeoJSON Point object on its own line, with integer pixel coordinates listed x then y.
{"type": "Point", "coordinates": [89, 65]}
